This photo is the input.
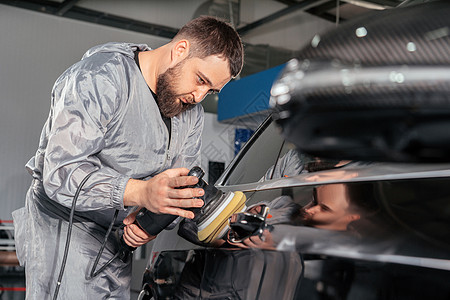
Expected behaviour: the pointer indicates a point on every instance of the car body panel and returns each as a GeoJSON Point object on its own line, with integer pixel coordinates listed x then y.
{"type": "Point", "coordinates": [400, 246]}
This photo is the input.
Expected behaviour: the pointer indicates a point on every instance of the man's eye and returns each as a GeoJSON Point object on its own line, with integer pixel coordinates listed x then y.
{"type": "Point", "coordinates": [200, 80]}
{"type": "Point", "coordinates": [324, 208]}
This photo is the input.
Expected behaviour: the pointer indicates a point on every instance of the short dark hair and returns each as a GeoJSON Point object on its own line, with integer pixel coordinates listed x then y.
{"type": "Point", "coordinates": [213, 36]}
{"type": "Point", "coordinates": [362, 198]}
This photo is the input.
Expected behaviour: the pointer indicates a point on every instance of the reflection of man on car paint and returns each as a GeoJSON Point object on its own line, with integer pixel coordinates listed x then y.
{"type": "Point", "coordinates": [330, 209]}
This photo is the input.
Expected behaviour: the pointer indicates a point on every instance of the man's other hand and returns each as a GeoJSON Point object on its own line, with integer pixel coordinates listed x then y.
{"type": "Point", "coordinates": [132, 234]}
{"type": "Point", "coordinates": [265, 241]}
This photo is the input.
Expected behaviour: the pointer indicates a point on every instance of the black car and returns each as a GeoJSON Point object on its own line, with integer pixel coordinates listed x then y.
{"type": "Point", "coordinates": [400, 246]}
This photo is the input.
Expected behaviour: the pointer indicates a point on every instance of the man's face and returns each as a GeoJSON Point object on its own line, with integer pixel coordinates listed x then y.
{"type": "Point", "coordinates": [181, 87]}
{"type": "Point", "coordinates": [330, 208]}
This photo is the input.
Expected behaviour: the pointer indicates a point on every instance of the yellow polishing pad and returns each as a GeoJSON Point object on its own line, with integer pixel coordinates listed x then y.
{"type": "Point", "coordinates": [223, 228]}
{"type": "Point", "coordinates": [209, 229]}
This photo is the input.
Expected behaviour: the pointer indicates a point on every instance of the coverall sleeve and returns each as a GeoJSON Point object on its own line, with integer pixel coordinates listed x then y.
{"type": "Point", "coordinates": [84, 105]}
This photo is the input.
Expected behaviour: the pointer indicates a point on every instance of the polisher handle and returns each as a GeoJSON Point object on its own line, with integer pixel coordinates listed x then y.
{"type": "Point", "coordinates": [154, 223]}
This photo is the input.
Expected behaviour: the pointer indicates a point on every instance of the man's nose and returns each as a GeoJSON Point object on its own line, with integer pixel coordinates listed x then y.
{"type": "Point", "coordinates": [200, 94]}
{"type": "Point", "coordinates": [311, 210]}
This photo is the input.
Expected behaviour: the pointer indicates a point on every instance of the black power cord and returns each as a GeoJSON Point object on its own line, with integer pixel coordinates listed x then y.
{"type": "Point", "coordinates": [92, 273]}
{"type": "Point", "coordinates": [69, 233]}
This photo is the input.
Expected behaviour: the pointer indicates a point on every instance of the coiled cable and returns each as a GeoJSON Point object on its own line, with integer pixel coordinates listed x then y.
{"type": "Point", "coordinates": [69, 233]}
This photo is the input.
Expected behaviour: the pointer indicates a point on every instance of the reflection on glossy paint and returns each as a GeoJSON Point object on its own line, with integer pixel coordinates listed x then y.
{"type": "Point", "coordinates": [330, 175]}
{"type": "Point", "coordinates": [283, 99]}
{"type": "Point", "coordinates": [279, 89]}
{"type": "Point", "coordinates": [438, 33]}
{"type": "Point", "coordinates": [411, 47]}
{"type": "Point", "coordinates": [315, 41]}
{"type": "Point", "coordinates": [396, 77]}
{"type": "Point", "coordinates": [346, 79]}
{"type": "Point", "coordinates": [361, 32]}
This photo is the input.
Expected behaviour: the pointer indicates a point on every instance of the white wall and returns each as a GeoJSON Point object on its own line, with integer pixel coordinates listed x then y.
{"type": "Point", "coordinates": [218, 142]}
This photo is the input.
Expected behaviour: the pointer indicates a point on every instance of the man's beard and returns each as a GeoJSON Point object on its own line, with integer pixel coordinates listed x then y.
{"type": "Point", "coordinates": [305, 218]}
{"type": "Point", "coordinates": [302, 218]}
{"type": "Point", "coordinates": [167, 99]}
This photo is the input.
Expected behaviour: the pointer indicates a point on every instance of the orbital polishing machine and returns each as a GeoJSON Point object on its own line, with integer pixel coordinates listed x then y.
{"type": "Point", "coordinates": [211, 219]}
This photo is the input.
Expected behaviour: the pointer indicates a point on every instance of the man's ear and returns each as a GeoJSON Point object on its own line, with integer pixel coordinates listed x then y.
{"type": "Point", "coordinates": [180, 51]}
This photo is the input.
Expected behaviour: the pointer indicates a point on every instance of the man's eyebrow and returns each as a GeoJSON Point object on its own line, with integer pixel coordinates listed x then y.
{"type": "Point", "coordinates": [203, 76]}
{"type": "Point", "coordinates": [206, 79]}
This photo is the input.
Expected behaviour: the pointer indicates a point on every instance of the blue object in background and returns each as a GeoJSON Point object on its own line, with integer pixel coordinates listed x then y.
{"type": "Point", "coordinates": [247, 96]}
{"type": "Point", "coordinates": [241, 136]}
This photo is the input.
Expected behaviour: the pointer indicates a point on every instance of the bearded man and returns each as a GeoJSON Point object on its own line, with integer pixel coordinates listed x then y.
{"type": "Point", "coordinates": [124, 128]}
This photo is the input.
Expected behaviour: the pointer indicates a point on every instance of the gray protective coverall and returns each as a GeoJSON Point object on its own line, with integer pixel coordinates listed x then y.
{"type": "Point", "coordinates": [103, 118]}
